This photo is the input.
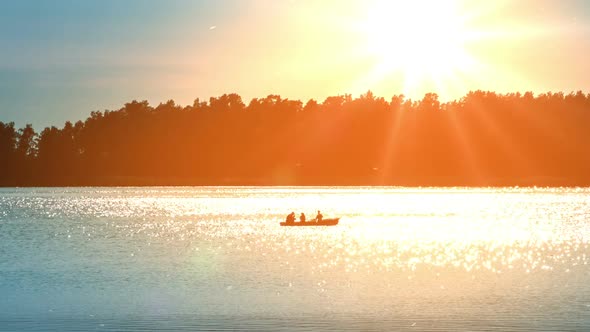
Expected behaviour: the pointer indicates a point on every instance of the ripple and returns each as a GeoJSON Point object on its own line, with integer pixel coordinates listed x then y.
{"type": "Point", "coordinates": [181, 258]}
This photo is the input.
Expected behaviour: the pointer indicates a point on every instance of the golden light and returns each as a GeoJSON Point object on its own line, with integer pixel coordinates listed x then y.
{"type": "Point", "coordinates": [424, 41]}
{"type": "Point", "coordinates": [391, 47]}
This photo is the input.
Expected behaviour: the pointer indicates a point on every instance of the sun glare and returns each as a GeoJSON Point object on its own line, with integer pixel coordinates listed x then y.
{"type": "Point", "coordinates": [424, 40]}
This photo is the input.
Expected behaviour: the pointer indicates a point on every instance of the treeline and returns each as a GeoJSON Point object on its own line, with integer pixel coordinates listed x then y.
{"type": "Point", "coordinates": [482, 139]}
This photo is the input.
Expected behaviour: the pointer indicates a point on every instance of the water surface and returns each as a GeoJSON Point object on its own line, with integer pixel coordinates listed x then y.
{"type": "Point", "coordinates": [215, 258]}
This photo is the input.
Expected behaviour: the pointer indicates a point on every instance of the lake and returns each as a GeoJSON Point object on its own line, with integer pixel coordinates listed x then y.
{"type": "Point", "coordinates": [215, 258]}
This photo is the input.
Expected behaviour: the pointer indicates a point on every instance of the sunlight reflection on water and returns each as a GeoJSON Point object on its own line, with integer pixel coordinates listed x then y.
{"type": "Point", "coordinates": [452, 257]}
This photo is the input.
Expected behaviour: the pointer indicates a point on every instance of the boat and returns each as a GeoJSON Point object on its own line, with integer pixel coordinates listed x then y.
{"type": "Point", "coordinates": [313, 222]}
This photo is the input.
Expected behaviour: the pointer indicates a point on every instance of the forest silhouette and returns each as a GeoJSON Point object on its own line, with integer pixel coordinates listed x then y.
{"type": "Point", "coordinates": [483, 139]}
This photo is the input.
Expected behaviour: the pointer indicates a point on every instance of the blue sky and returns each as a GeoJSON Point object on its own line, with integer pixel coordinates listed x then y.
{"type": "Point", "coordinates": [62, 59]}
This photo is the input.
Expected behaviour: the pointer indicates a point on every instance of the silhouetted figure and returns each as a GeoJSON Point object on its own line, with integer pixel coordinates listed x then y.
{"type": "Point", "coordinates": [319, 217]}
{"type": "Point", "coordinates": [291, 218]}
{"type": "Point", "coordinates": [302, 217]}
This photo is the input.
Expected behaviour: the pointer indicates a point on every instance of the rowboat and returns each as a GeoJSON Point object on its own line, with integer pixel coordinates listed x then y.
{"type": "Point", "coordinates": [313, 222]}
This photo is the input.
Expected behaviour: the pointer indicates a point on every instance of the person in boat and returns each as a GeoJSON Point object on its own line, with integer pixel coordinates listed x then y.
{"type": "Point", "coordinates": [290, 218]}
{"type": "Point", "coordinates": [302, 217]}
{"type": "Point", "coordinates": [319, 217]}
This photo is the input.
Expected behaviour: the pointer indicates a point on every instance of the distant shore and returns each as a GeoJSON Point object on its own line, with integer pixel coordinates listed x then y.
{"type": "Point", "coordinates": [483, 139]}
{"type": "Point", "coordinates": [135, 181]}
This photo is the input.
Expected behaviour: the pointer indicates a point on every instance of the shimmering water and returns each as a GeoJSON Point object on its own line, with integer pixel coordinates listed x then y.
{"type": "Point", "coordinates": [215, 258]}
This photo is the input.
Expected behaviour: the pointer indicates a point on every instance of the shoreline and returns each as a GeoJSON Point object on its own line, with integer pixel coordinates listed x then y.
{"type": "Point", "coordinates": [124, 181]}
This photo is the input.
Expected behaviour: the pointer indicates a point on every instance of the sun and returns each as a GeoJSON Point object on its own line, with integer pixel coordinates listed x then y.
{"type": "Point", "coordinates": [424, 40]}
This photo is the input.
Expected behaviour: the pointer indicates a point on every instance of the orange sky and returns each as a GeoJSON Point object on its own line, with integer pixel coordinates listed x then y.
{"type": "Point", "coordinates": [64, 59]}
{"type": "Point", "coordinates": [314, 49]}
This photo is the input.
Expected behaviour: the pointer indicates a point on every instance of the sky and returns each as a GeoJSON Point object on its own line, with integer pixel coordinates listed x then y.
{"type": "Point", "coordinates": [62, 59]}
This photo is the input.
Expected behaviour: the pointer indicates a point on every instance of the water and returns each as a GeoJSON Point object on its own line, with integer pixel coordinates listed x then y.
{"type": "Point", "coordinates": [215, 258]}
